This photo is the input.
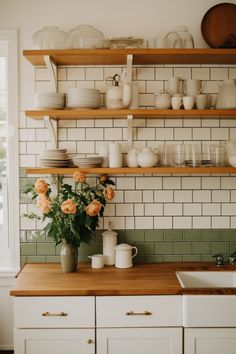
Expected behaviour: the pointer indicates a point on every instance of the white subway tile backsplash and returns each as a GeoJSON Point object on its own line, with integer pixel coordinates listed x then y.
{"type": "Point", "coordinates": [173, 209]}
{"type": "Point", "coordinates": [229, 209]}
{"type": "Point", "coordinates": [201, 222]}
{"type": "Point", "coordinates": [201, 196]}
{"type": "Point", "coordinates": [182, 222]}
{"type": "Point", "coordinates": [154, 209]}
{"type": "Point", "coordinates": [145, 73]}
{"type": "Point", "coordinates": [143, 220]}
{"type": "Point", "coordinates": [76, 134]}
{"type": "Point", "coordinates": [149, 201]}
{"type": "Point", "coordinates": [149, 183]}
{"type": "Point", "coordinates": [138, 209]}
{"type": "Point", "coordinates": [161, 196]}
{"type": "Point", "coordinates": [171, 183]}
{"type": "Point", "coordinates": [124, 210]}
{"type": "Point", "coordinates": [133, 196]}
{"type": "Point", "coordinates": [148, 196]}
{"type": "Point", "coordinates": [211, 209]}
{"type": "Point", "coordinates": [220, 222]}
{"type": "Point", "coordinates": [163, 222]}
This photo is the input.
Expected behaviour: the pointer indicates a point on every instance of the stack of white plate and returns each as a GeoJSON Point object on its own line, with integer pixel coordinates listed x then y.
{"type": "Point", "coordinates": [55, 158]}
{"type": "Point", "coordinates": [50, 100]}
{"type": "Point", "coordinates": [88, 162]}
{"type": "Point", "coordinates": [83, 98]}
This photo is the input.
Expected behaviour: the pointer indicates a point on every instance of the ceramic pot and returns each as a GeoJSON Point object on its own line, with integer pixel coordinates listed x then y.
{"type": "Point", "coordinates": [147, 158]}
{"type": "Point", "coordinates": [124, 255]}
{"type": "Point", "coordinates": [69, 257]}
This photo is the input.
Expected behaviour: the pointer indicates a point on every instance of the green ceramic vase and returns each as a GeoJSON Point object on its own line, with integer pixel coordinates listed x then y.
{"type": "Point", "coordinates": [69, 257]}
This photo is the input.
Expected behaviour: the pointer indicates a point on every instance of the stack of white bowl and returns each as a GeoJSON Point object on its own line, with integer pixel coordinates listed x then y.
{"type": "Point", "coordinates": [83, 98]}
{"type": "Point", "coordinates": [50, 100]}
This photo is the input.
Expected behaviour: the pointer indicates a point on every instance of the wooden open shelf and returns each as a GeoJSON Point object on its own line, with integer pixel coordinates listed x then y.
{"type": "Point", "coordinates": [140, 56]}
{"type": "Point", "coordinates": [123, 113]}
{"type": "Point", "coordinates": [131, 170]}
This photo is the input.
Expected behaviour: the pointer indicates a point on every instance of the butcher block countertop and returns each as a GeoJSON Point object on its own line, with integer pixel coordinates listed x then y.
{"type": "Point", "coordinates": [142, 279]}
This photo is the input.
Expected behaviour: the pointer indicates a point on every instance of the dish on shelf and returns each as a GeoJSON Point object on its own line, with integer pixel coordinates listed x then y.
{"type": "Point", "coordinates": [125, 42]}
{"type": "Point", "coordinates": [218, 26]}
{"type": "Point", "coordinates": [49, 100]}
{"type": "Point", "coordinates": [83, 98]}
{"type": "Point", "coordinates": [49, 37]}
{"type": "Point", "coordinates": [55, 158]}
{"type": "Point", "coordinates": [87, 162]}
{"type": "Point", "coordinates": [85, 37]}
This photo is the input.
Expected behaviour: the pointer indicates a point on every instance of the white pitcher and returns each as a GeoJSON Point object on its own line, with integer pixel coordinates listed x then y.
{"type": "Point", "coordinates": [124, 255]}
{"type": "Point", "coordinates": [227, 95]}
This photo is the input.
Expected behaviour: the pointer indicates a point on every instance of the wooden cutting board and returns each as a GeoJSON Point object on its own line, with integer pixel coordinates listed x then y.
{"type": "Point", "coordinates": [219, 26]}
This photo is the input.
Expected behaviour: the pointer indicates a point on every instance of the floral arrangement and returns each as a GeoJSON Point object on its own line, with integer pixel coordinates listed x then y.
{"type": "Point", "coordinates": [74, 212]}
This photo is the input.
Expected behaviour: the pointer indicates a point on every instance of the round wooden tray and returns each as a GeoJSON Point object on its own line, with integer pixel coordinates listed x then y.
{"type": "Point", "coordinates": [219, 26]}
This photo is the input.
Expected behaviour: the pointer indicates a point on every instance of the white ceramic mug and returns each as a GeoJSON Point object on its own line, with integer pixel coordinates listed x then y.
{"type": "Point", "coordinates": [192, 87]}
{"type": "Point", "coordinates": [97, 261]}
{"type": "Point", "coordinates": [188, 102]}
{"type": "Point", "coordinates": [160, 42]}
{"type": "Point", "coordinates": [201, 101]}
{"type": "Point", "coordinates": [176, 102]}
{"type": "Point", "coordinates": [173, 85]}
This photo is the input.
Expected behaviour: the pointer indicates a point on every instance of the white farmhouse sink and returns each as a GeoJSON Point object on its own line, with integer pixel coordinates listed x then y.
{"type": "Point", "coordinates": [207, 279]}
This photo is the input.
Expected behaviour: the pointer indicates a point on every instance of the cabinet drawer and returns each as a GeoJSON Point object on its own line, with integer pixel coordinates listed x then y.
{"type": "Point", "coordinates": [66, 311]}
{"type": "Point", "coordinates": [138, 311]}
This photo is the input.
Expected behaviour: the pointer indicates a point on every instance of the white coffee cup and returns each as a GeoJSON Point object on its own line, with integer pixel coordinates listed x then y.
{"type": "Point", "coordinates": [176, 102]}
{"type": "Point", "coordinates": [97, 261]}
{"type": "Point", "coordinates": [160, 42]}
{"type": "Point", "coordinates": [202, 101]}
{"type": "Point", "coordinates": [188, 102]}
{"type": "Point", "coordinates": [173, 85]}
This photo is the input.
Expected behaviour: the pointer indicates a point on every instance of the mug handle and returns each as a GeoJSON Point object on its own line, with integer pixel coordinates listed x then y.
{"type": "Point", "coordinates": [136, 251]}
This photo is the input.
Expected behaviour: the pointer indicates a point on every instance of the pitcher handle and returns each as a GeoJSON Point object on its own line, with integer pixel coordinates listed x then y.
{"type": "Point", "coordinates": [136, 251]}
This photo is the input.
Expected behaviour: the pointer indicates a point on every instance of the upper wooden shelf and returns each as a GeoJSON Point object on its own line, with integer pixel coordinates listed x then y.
{"type": "Point", "coordinates": [140, 56]}
{"type": "Point", "coordinates": [131, 170]}
{"type": "Point", "coordinates": [123, 113]}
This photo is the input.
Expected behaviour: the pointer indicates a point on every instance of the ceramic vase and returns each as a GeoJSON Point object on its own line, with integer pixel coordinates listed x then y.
{"type": "Point", "coordinates": [69, 257]}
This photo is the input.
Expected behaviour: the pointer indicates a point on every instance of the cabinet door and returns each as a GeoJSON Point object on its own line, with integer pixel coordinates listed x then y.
{"type": "Point", "coordinates": [139, 341]}
{"type": "Point", "coordinates": [210, 340]}
{"type": "Point", "coordinates": [54, 341]}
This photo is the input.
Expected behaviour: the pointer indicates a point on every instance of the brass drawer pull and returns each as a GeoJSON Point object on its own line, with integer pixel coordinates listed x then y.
{"type": "Point", "coordinates": [61, 314]}
{"type": "Point", "coordinates": [89, 341]}
{"type": "Point", "coordinates": [132, 313]}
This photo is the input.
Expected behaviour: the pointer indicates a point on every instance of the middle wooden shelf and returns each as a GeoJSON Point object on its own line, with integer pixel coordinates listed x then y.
{"type": "Point", "coordinates": [131, 170]}
{"type": "Point", "coordinates": [123, 113]}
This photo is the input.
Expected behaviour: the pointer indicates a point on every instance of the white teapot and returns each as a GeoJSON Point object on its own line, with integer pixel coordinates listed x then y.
{"type": "Point", "coordinates": [163, 100]}
{"type": "Point", "coordinates": [124, 255]}
{"type": "Point", "coordinates": [118, 97]}
{"type": "Point", "coordinates": [147, 158]}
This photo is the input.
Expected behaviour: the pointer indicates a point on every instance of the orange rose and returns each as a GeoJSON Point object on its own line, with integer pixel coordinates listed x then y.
{"type": "Point", "coordinates": [109, 193]}
{"type": "Point", "coordinates": [103, 178]}
{"type": "Point", "coordinates": [93, 208]}
{"type": "Point", "coordinates": [68, 207]}
{"type": "Point", "coordinates": [44, 204]}
{"type": "Point", "coordinates": [40, 186]}
{"type": "Point", "coordinates": [79, 177]}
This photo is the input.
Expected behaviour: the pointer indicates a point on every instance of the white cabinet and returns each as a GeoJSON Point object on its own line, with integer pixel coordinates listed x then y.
{"type": "Point", "coordinates": [139, 341]}
{"type": "Point", "coordinates": [210, 340]}
{"type": "Point", "coordinates": [54, 341]}
{"type": "Point", "coordinates": [139, 325]}
{"type": "Point", "coordinates": [54, 325]}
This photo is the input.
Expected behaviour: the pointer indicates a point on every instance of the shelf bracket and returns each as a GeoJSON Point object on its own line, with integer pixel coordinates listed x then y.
{"type": "Point", "coordinates": [130, 130]}
{"type": "Point", "coordinates": [129, 67]}
{"type": "Point", "coordinates": [52, 68]}
{"type": "Point", "coordinates": [52, 128]}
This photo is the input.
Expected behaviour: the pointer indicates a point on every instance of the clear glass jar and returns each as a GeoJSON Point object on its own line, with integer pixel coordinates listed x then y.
{"type": "Point", "coordinates": [85, 37]}
{"type": "Point", "coordinates": [50, 37]}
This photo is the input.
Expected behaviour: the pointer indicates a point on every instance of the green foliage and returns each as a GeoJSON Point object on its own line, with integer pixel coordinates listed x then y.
{"type": "Point", "coordinates": [79, 225]}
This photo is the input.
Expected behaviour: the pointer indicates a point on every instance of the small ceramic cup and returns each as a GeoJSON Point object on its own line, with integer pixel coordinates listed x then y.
{"type": "Point", "coordinates": [201, 101]}
{"type": "Point", "coordinates": [176, 102]}
{"type": "Point", "coordinates": [97, 261]}
{"type": "Point", "coordinates": [188, 102]}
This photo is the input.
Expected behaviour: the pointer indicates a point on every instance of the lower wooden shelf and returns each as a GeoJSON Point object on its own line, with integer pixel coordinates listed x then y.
{"type": "Point", "coordinates": [131, 170]}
